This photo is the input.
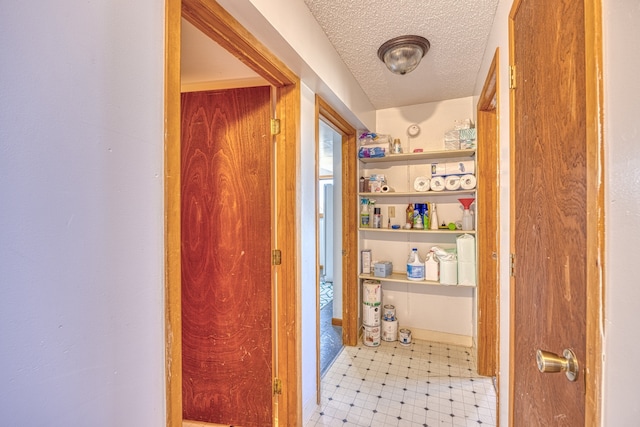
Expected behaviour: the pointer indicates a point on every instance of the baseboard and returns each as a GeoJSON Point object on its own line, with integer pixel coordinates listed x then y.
{"type": "Point", "coordinates": [309, 409]}
{"type": "Point", "coordinates": [442, 337]}
{"type": "Point", "coordinates": [336, 322]}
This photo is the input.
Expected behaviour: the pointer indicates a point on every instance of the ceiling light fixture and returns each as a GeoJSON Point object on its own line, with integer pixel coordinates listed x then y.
{"type": "Point", "coordinates": [402, 54]}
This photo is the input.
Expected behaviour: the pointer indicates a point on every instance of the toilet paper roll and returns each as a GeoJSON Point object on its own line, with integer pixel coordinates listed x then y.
{"type": "Point", "coordinates": [386, 189]}
{"type": "Point", "coordinates": [421, 184]}
{"type": "Point", "coordinates": [452, 183]}
{"type": "Point", "coordinates": [468, 182]}
{"type": "Point", "coordinates": [437, 183]}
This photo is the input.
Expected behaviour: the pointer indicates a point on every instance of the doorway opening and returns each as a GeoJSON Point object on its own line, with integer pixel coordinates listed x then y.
{"type": "Point", "coordinates": [329, 207]}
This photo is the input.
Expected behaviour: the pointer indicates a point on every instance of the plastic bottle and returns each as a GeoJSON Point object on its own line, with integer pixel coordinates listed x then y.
{"type": "Point", "coordinates": [434, 217]}
{"type": "Point", "coordinates": [409, 219]}
{"type": "Point", "coordinates": [417, 217]}
{"type": "Point", "coordinates": [425, 221]}
{"type": "Point", "coordinates": [431, 267]}
{"type": "Point", "coordinates": [377, 218]}
{"type": "Point", "coordinates": [415, 266]}
{"type": "Point", "coordinates": [364, 213]}
{"type": "Point", "coordinates": [467, 220]}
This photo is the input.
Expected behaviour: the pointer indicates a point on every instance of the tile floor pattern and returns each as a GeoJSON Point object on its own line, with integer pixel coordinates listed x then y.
{"type": "Point", "coordinates": [424, 384]}
{"type": "Point", "coordinates": [326, 293]}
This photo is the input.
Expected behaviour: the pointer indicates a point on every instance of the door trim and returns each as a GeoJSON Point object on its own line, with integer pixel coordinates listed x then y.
{"type": "Point", "coordinates": [349, 211]}
{"type": "Point", "coordinates": [595, 206]}
{"type": "Point", "coordinates": [221, 27]}
{"type": "Point", "coordinates": [349, 321]}
{"type": "Point", "coordinates": [488, 219]}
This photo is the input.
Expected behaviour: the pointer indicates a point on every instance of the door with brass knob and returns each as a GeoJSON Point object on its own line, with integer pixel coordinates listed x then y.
{"type": "Point", "coordinates": [552, 363]}
{"type": "Point", "coordinates": [555, 205]}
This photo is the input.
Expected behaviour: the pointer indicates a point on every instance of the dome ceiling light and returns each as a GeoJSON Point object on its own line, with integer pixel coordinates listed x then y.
{"type": "Point", "coordinates": [402, 54]}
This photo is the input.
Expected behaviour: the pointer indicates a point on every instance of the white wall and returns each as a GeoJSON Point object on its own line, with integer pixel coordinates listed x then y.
{"type": "Point", "coordinates": [499, 38]}
{"type": "Point", "coordinates": [81, 222]}
{"type": "Point", "coordinates": [289, 30]}
{"type": "Point", "coordinates": [622, 179]}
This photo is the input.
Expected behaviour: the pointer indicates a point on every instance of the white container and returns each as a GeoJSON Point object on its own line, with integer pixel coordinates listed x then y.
{"type": "Point", "coordinates": [431, 267]}
{"type": "Point", "coordinates": [389, 330]}
{"type": "Point", "coordinates": [389, 312]}
{"type": "Point", "coordinates": [371, 315]}
{"type": "Point", "coordinates": [371, 336]}
{"type": "Point", "coordinates": [415, 266]}
{"type": "Point", "coordinates": [404, 336]}
{"type": "Point", "coordinates": [372, 292]}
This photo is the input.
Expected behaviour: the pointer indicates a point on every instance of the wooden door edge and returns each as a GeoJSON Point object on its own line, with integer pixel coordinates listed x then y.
{"type": "Point", "coordinates": [595, 212]}
{"type": "Point", "coordinates": [511, 393]}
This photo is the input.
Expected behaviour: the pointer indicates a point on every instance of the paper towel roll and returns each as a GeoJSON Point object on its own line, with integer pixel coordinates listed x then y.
{"type": "Point", "coordinates": [437, 183]}
{"type": "Point", "coordinates": [452, 183]}
{"type": "Point", "coordinates": [421, 184]}
{"type": "Point", "coordinates": [386, 189]}
{"type": "Point", "coordinates": [468, 182]}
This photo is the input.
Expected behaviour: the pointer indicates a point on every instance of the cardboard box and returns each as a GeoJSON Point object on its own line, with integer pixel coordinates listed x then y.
{"type": "Point", "coordinates": [365, 261]}
{"type": "Point", "coordinates": [382, 269]}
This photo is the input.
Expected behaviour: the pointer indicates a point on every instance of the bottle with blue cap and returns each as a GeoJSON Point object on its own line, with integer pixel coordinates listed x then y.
{"type": "Point", "coordinates": [415, 266]}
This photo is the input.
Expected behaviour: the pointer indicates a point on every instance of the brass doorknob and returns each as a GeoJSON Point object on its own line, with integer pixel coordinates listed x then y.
{"type": "Point", "coordinates": [551, 362]}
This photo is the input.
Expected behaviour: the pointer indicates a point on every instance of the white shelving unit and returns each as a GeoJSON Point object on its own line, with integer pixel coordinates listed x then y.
{"type": "Point", "coordinates": [426, 306]}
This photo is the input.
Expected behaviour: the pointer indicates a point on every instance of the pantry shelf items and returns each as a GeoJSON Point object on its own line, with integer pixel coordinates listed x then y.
{"type": "Point", "coordinates": [404, 192]}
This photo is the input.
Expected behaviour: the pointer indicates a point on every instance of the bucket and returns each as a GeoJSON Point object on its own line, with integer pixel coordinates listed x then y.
{"type": "Point", "coordinates": [404, 336]}
{"type": "Point", "coordinates": [371, 336]}
{"type": "Point", "coordinates": [389, 312]}
{"type": "Point", "coordinates": [371, 293]}
{"type": "Point", "coordinates": [371, 315]}
{"type": "Point", "coordinates": [389, 330]}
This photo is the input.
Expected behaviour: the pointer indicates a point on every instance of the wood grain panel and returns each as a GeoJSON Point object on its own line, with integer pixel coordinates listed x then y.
{"type": "Point", "coordinates": [550, 208]}
{"type": "Point", "coordinates": [226, 263]}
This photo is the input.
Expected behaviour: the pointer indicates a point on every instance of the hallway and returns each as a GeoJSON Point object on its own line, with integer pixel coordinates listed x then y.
{"type": "Point", "coordinates": [423, 384]}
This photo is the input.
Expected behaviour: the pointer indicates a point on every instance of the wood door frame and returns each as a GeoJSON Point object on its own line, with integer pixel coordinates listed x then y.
{"type": "Point", "coordinates": [349, 238]}
{"type": "Point", "coordinates": [220, 26]}
{"type": "Point", "coordinates": [595, 286]}
{"type": "Point", "coordinates": [488, 222]}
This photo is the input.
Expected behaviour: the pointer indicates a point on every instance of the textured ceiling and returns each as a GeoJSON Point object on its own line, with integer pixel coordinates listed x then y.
{"type": "Point", "coordinates": [457, 29]}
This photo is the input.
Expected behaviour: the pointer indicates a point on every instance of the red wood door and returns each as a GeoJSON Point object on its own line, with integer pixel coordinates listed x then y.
{"type": "Point", "coordinates": [550, 208]}
{"type": "Point", "coordinates": [226, 263]}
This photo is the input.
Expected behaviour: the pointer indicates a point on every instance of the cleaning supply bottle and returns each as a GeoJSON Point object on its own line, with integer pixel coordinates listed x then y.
{"type": "Point", "coordinates": [426, 222]}
{"type": "Point", "coordinates": [377, 218]}
{"type": "Point", "coordinates": [409, 219]}
{"type": "Point", "coordinates": [364, 213]}
{"type": "Point", "coordinates": [434, 217]}
{"type": "Point", "coordinates": [431, 267]}
{"type": "Point", "coordinates": [415, 266]}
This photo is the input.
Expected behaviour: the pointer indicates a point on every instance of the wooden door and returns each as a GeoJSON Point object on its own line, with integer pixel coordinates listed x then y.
{"type": "Point", "coordinates": [227, 346]}
{"type": "Point", "coordinates": [553, 201]}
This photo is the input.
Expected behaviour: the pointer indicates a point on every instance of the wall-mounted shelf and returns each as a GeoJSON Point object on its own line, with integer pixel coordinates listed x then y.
{"type": "Point", "coordinates": [419, 194]}
{"type": "Point", "coordinates": [416, 231]}
{"type": "Point", "coordinates": [425, 155]}
{"type": "Point", "coordinates": [402, 278]}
